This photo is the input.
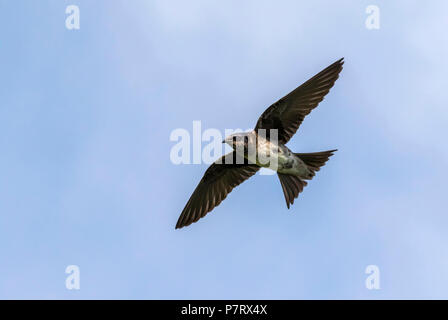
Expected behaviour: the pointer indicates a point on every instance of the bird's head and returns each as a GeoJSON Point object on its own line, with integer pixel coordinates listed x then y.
{"type": "Point", "coordinates": [237, 140]}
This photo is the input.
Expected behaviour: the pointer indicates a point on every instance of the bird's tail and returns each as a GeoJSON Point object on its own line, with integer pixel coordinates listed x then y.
{"type": "Point", "coordinates": [293, 185]}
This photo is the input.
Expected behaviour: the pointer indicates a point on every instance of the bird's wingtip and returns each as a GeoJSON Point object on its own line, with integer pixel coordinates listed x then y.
{"type": "Point", "coordinates": [340, 61]}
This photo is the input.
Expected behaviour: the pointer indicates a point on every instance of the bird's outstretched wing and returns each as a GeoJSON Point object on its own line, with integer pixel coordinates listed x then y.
{"type": "Point", "coordinates": [287, 114]}
{"type": "Point", "coordinates": [218, 181]}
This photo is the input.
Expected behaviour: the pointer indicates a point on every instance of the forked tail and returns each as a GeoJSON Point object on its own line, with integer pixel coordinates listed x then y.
{"type": "Point", "coordinates": [293, 185]}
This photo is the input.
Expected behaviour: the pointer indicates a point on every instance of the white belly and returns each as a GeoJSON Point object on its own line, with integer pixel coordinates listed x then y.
{"type": "Point", "coordinates": [288, 163]}
{"type": "Point", "coordinates": [280, 159]}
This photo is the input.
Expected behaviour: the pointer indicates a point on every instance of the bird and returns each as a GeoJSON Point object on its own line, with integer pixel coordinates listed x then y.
{"type": "Point", "coordinates": [274, 128]}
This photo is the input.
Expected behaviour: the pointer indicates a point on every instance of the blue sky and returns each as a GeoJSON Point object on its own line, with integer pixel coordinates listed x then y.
{"type": "Point", "coordinates": [86, 177]}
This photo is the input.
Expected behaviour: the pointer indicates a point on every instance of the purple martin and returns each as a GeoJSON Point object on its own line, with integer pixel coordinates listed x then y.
{"type": "Point", "coordinates": [274, 128]}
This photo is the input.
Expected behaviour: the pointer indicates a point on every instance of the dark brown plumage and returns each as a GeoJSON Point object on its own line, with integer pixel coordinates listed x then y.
{"type": "Point", "coordinates": [218, 181]}
{"type": "Point", "coordinates": [285, 115]}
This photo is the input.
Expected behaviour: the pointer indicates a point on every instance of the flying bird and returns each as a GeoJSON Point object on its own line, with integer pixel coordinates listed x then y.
{"type": "Point", "coordinates": [273, 130]}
